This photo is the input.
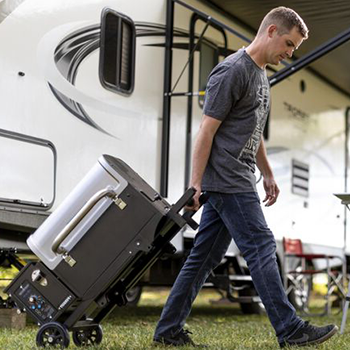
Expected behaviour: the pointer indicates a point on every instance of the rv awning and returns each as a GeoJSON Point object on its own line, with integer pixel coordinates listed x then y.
{"type": "Point", "coordinates": [325, 19]}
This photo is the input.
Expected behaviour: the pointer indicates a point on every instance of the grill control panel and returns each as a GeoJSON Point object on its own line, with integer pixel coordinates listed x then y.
{"type": "Point", "coordinates": [38, 290]}
{"type": "Point", "coordinates": [35, 302]}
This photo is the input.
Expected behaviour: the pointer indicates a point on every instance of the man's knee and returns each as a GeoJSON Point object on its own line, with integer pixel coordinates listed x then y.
{"type": "Point", "coordinates": [263, 253]}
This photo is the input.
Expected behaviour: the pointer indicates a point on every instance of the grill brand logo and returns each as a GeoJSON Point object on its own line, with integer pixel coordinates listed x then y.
{"type": "Point", "coordinates": [65, 302]}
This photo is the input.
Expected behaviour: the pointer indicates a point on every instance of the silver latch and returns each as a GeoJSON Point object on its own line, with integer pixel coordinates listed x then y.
{"type": "Point", "coordinates": [120, 203]}
{"type": "Point", "coordinates": [69, 260]}
{"type": "Point", "coordinates": [38, 276]}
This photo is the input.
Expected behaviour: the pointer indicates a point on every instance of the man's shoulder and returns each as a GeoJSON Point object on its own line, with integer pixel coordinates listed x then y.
{"type": "Point", "coordinates": [232, 64]}
{"type": "Point", "coordinates": [233, 59]}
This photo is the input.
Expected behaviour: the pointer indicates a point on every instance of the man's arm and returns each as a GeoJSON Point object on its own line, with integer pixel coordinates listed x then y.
{"type": "Point", "coordinates": [202, 150]}
{"type": "Point", "coordinates": [270, 186]}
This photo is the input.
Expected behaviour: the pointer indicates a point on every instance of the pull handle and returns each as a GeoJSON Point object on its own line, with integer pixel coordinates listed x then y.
{"type": "Point", "coordinates": [189, 213]}
{"type": "Point", "coordinates": [107, 192]}
{"type": "Point", "coordinates": [202, 199]}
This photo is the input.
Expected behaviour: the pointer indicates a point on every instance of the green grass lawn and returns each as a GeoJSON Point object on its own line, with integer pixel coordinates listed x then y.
{"type": "Point", "coordinates": [219, 326]}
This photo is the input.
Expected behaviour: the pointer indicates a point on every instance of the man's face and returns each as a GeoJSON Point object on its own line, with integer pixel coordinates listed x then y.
{"type": "Point", "coordinates": [283, 46]}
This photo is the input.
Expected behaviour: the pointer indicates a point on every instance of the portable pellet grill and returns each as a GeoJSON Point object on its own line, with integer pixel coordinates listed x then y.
{"type": "Point", "coordinates": [94, 247]}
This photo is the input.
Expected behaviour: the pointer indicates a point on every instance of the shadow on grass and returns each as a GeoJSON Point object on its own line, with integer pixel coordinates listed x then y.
{"type": "Point", "coordinates": [206, 311]}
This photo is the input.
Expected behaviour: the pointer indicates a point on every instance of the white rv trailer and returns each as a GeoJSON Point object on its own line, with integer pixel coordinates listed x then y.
{"type": "Point", "coordinates": [85, 78]}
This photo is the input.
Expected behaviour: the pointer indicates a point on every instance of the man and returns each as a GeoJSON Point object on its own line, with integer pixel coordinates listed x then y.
{"type": "Point", "coordinates": [228, 147]}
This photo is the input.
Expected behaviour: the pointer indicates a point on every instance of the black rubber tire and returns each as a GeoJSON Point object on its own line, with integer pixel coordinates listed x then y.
{"type": "Point", "coordinates": [300, 299]}
{"type": "Point", "coordinates": [52, 334]}
{"type": "Point", "coordinates": [88, 336]}
{"type": "Point", "coordinates": [133, 296]}
{"type": "Point", "coordinates": [256, 308]}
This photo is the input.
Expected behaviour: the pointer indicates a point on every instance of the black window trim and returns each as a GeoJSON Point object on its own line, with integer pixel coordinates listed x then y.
{"type": "Point", "coordinates": [217, 52]}
{"type": "Point", "coordinates": [194, 20]}
{"type": "Point", "coordinates": [11, 202]}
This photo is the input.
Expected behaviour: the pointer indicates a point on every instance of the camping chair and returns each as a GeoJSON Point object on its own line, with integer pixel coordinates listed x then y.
{"type": "Point", "coordinates": [298, 272]}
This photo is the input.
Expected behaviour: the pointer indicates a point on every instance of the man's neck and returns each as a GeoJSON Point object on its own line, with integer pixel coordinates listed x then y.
{"type": "Point", "coordinates": [255, 50]}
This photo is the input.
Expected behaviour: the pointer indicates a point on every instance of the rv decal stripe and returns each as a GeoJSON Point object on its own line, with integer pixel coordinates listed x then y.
{"type": "Point", "coordinates": [76, 46]}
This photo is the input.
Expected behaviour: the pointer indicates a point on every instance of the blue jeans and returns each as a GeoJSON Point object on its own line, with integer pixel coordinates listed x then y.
{"type": "Point", "coordinates": [226, 216]}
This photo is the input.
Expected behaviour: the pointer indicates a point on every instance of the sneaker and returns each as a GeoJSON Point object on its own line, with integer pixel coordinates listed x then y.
{"type": "Point", "coordinates": [310, 335]}
{"type": "Point", "coordinates": [180, 339]}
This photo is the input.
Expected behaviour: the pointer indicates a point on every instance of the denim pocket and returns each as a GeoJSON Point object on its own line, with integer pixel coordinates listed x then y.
{"type": "Point", "coordinates": [216, 200]}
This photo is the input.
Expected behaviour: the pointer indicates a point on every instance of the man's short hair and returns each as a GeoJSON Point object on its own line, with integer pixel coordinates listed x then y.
{"type": "Point", "coordinates": [285, 19]}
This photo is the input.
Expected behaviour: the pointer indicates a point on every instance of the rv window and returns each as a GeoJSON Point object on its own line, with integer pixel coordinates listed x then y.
{"type": "Point", "coordinates": [29, 177]}
{"type": "Point", "coordinates": [209, 58]}
{"type": "Point", "coordinates": [117, 52]}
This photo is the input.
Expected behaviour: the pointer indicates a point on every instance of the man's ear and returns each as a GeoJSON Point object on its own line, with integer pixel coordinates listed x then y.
{"type": "Point", "coordinates": [271, 29]}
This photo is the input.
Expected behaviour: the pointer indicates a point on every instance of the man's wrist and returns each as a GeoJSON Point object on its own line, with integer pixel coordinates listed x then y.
{"type": "Point", "coordinates": [196, 183]}
{"type": "Point", "coordinates": [267, 173]}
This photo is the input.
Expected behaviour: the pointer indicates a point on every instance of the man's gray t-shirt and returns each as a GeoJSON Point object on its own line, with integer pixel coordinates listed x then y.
{"type": "Point", "coordinates": [238, 94]}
